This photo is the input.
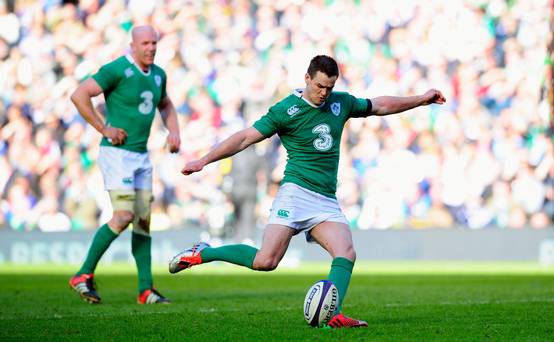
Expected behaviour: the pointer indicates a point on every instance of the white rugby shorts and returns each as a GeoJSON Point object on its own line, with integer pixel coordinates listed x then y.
{"type": "Point", "coordinates": [302, 209]}
{"type": "Point", "coordinates": [124, 170]}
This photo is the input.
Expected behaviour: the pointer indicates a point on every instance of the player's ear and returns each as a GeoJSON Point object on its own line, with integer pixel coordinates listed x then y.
{"type": "Point", "coordinates": [307, 78]}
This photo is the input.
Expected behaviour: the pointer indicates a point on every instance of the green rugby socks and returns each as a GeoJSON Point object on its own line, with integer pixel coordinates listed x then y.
{"type": "Point", "coordinates": [341, 271]}
{"type": "Point", "coordinates": [102, 240]}
{"type": "Point", "coordinates": [242, 255]}
{"type": "Point", "coordinates": [141, 246]}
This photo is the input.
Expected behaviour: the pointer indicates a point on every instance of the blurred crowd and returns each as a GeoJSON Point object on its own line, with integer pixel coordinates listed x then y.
{"type": "Point", "coordinates": [484, 159]}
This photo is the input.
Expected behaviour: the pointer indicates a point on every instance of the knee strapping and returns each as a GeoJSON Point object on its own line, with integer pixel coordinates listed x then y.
{"type": "Point", "coordinates": [142, 204]}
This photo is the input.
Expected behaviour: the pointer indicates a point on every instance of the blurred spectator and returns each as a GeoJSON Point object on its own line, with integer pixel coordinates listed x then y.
{"type": "Point", "coordinates": [483, 160]}
{"type": "Point", "coordinates": [247, 168]}
{"type": "Point", "coordinates": [18, 204]}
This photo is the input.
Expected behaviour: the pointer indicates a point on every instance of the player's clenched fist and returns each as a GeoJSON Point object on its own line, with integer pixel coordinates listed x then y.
{"type": "Point", "coordinates": [116, 136]}
{"type": "Point", "coordinates": [433, 96]}
{"type": "Point", "coordinates": [192, 167]}
{"type": "Point", "coordinates": [174, 142]}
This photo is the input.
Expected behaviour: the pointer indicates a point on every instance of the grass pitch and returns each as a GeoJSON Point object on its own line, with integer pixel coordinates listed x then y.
{"type": "Point", "coordinates": [427, 301]}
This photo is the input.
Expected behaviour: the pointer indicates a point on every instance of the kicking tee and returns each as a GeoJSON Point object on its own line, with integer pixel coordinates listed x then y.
{"type": "Point", "coordinates": [312, 135]}
{"type": "Point", "coordinates": [132, 97]}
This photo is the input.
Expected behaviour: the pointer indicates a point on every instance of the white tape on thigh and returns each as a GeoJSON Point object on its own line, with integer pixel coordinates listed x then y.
{"type": "Point", "coordinates": [143, 201]}
{"type": "Point", "coordinates": [122, 200]}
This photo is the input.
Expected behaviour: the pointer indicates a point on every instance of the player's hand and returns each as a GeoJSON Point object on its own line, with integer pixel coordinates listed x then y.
{"type": "Point", "coordinates": [192, 167]}
{"type": "Point", "coordinates": [174, 142]}
{"type": "Point", "coordinates": [116, 136]}
{"type": "Point", "coordinates": [433, 96]}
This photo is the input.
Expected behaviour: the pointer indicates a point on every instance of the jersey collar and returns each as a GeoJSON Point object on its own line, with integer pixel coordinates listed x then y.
{"type": "Point", "coordinates": [299, 92]}
{"type": "Point", "coordinates": [132, 61]}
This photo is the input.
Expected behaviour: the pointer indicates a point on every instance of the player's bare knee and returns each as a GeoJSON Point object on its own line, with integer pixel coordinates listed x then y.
{"type": "Point", "coordinates": [267, 267]}
{"type": "Point", "coordinates": [123, 206]}
{"type": "Point", "coordinates": [122, 219]}
{"type": "Point", "coordinates": [349, 253]}
{"type": "Point", "coordinates": [265, 264]}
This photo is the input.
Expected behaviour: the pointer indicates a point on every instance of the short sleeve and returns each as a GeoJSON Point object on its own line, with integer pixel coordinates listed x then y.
{"type": "Point", "coordinates": [268, 124]}
{"type": "Point", "coordinates": [107, 77]}
{"type": "Point", "coordinates": [361, 108]}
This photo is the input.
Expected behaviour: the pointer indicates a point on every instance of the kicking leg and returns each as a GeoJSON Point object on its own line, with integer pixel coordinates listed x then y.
{"type": "Point", "coordinates": [274, 246]}
{"type": "Point", "coordinates": [275, 243]}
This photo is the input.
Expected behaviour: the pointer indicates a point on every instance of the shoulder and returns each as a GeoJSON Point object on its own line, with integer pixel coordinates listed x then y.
{"type": "Point", "coordinates": [110, 73]}
{"type": "Point", "coordinates": [340, 96]}
{"type": "Point", "coordinates": [116, 66]}
{"type": "Point", "coordinates": [346, 99]}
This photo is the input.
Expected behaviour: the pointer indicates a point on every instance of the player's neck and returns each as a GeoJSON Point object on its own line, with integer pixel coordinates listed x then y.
{"type": "Point", "coordinates": [303, 96]}
{"type": "Point", "coordinates": [143, 67]}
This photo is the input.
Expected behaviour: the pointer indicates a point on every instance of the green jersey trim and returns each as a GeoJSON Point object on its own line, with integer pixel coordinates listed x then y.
{"type": "Point", "coordinates": [132, 61]}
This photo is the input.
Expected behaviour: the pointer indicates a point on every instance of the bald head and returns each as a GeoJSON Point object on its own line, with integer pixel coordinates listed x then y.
{"type": "Point", "coordinates": [139, 32]}
{"type": "Point", "coordinates": [143, 45]}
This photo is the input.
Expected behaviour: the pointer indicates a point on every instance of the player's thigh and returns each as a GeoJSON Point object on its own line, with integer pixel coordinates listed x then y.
{"type": "Point", "coordinates": [143, 173]}
{"type": "Point", "coordinates": [275, 241]}
{"type": "Point", "coordinates": [335, 238]}
{"type": "Point", "coordinates": [117, 171]}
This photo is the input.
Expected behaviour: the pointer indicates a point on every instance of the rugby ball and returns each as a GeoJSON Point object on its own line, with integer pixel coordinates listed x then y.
{"type": "Point", "coordinates": [320, 303]}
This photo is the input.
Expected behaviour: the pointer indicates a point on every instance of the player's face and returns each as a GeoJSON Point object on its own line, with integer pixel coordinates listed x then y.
{"type": "Point", "coordinates": [144, 48]}
{"type": "Point", "coordinates": [319, 87]}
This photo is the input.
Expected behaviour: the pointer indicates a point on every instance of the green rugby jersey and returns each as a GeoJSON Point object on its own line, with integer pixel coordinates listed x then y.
{"type": "Point", "coordinates": [132, 97]}
{"type": "Point", "coordinates": [312, 136]}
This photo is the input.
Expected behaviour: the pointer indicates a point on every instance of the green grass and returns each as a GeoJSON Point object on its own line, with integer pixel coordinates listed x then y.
{"type": "Point", "coordinates": [402, 301]}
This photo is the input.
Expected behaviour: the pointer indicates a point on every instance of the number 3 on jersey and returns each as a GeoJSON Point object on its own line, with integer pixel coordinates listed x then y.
{"type": "Point", "coordinates": [145, 107]}
{"type": "Point", "coordinates": [324, 140]}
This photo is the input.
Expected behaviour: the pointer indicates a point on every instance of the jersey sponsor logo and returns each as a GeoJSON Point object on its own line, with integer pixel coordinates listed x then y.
{"type": "Point", "coordinates": [129, 72]}
{"type": "Point", "coordinates": [158, 80]}
{"type": "Point", "coordinates": [282, 213]}
{"type": "Point", "coordinates": [324, 140]}
{"type": "Point", "coordinates": [146, 106]}
{"type": "Point", "coordinates": [292, 111]}
{"type": "Point", "coordinates": [127, 180]}
{"type": "Point", "coordinates": [335, 108]}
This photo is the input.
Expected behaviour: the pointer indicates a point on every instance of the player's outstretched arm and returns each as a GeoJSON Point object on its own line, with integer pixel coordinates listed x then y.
{"type": "Point", "coordinates": [230, 146]}
{"type": "Point", "coordinates": [385, 105]}
{"type": "Point", "coordinates": [169, 118]}
{"type": "Point", "coordinates": [81, 98]}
